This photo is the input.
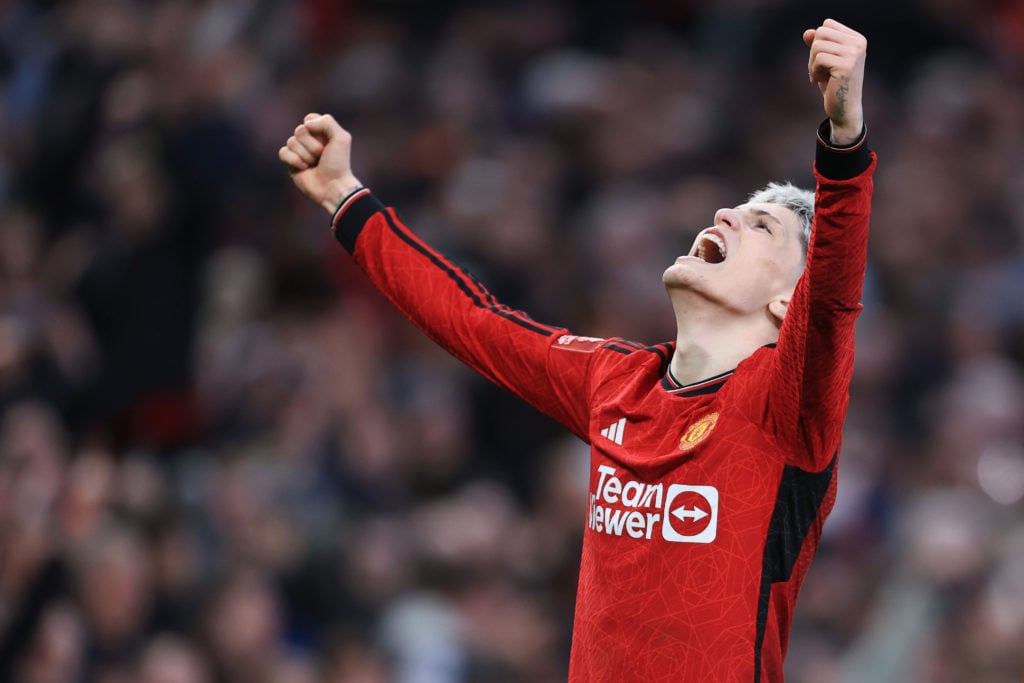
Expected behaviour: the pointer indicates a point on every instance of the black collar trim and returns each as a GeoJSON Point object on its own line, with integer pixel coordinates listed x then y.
{"type": "Point", "coordinates": [705, 386]}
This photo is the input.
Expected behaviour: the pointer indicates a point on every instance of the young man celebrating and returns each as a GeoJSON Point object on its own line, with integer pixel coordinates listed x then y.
{"type": "Point", "coordinates": [713, 458]}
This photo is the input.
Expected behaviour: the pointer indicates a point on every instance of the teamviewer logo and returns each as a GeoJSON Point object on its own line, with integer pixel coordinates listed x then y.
{"type": "Point", "coordinates": [691, 514]}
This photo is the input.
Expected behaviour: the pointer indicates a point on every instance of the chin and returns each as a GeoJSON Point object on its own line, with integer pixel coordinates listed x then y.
{"type": "Point", "coordinates": [677, 276]}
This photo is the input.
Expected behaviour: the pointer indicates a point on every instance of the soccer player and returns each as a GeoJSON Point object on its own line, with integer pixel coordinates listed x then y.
{"type": "Point", "coordinates": [713, 458]}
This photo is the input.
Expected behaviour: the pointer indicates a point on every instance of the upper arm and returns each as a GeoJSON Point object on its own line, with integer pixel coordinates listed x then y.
{"type": "Point", "coordinates": [810, 373]}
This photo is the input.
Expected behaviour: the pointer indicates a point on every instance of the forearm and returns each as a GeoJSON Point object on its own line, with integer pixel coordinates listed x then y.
{"type": "Point", "coordinates": [837, 254]}
{"type": "Point", "coordinates": [459, 314]}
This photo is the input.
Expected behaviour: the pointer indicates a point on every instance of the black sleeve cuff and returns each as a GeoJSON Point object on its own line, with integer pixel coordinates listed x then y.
{"type": "Point", "coordinates": [841, 162]}
{"type": "Point", "coordinates": [352, 214]}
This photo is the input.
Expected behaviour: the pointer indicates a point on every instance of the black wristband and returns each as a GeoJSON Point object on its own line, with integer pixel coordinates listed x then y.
{"type": "Point", "coordinates": [841, 162]}
{"type": "Point", "coordinates": [351, 215]}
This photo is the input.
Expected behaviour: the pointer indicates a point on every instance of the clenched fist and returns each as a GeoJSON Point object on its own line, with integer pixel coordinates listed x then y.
{"type": "Point", "coordinates": [319, 159]}
{"type": "Point", "coordinates": [836, 64]}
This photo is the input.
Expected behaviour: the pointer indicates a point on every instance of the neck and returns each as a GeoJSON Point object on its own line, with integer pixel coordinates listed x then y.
{"type": "Point", "coordinates": [710, 340]}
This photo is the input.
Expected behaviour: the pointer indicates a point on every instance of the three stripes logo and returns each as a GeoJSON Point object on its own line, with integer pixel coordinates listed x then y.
{"type": "Point", "coordinates": [613, 432]}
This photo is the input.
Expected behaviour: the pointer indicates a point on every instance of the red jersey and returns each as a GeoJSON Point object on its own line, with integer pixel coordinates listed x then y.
{"type": "Point", "coordinates": [706, 501]}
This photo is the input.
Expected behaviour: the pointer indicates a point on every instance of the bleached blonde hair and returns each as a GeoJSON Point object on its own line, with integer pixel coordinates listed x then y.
{"type": "Point", "coordinates": [796, 199]}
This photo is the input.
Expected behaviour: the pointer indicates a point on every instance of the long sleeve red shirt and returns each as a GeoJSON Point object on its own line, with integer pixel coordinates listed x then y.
{"type": "Point", "coordinates": [706, 501]}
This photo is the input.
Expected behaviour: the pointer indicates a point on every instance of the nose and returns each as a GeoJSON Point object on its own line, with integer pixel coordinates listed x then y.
{"type": "Point", "coordinates": [728, 218]}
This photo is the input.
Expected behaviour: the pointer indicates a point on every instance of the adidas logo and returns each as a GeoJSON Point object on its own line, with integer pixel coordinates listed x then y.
{"type": "Point", "coordinates": [613, 432]}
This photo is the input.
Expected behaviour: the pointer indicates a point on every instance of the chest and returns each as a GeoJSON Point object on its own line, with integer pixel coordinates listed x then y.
{"type": "Point", "coordinates": [666, 468]}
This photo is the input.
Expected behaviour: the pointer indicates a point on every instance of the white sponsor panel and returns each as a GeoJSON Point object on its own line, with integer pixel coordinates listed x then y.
{"type": "Point", "coordinates": [691, 514]}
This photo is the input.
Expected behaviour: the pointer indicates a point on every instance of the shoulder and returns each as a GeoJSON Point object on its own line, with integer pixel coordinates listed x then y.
{"type": "Point", "coordinates": [621, 360]}
{"type": "Point", "coordinates": [611, 346]}
{"type": "Point", "coordinates": [613, 352]}
{"type": "Point", "coordinates": [753, 372]}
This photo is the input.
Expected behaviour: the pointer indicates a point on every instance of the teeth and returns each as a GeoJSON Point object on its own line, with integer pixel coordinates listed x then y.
{"type": "Point", "coordinates": [710, 248]}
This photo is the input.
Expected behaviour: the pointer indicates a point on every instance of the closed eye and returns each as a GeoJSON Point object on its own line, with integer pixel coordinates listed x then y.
{"type": "Point", "coordinates": [761, 219]}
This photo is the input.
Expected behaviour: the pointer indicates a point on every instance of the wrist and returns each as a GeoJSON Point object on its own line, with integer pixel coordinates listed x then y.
{"type": "Point", "coordinates": [845, 134]}
{"type": "Point", "coordinates": [837, 161]}
{"type": "Point", "coordinates": [338, 191]}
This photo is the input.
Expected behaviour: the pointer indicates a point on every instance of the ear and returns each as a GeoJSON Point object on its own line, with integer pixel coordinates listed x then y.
{"type": "Point", "coordinates": [777, 309]}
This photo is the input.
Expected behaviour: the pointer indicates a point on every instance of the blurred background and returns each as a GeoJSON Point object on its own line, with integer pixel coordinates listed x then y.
{"type": "Point", "coordinates": [224, 459]}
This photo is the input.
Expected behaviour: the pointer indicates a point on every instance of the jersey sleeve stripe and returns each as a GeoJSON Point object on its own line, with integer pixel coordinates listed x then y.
{"type": "Point", "coordinates": [620, 349]}
{"type": "Point", "coordinates": [661, 350]}
{"type": "Point", "coordinates": [480, 287]}
{"type": "Point", "coordinates": [466, 283]}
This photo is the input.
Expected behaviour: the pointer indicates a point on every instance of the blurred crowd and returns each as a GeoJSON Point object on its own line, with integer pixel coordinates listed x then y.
{"type": "Point", "coordinates": [224, 459]}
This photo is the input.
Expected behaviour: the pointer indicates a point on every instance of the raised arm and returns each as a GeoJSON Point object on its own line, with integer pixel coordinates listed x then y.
{"type": "Point", "coordinates": [542, 365]}
{"type": "Point", "coordinates": [809, 395]}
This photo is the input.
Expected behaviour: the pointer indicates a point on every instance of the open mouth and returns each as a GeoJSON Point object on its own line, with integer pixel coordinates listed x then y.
{"type": "Point", "coordinates": [709, 248]}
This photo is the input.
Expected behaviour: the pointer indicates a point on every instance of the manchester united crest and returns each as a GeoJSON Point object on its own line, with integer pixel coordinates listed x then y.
{"type": "Point", "coordinates": [698, 431]}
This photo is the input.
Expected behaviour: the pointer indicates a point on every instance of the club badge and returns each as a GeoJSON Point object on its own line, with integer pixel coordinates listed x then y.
{"type": "Point", "coordinates": [698, 431]}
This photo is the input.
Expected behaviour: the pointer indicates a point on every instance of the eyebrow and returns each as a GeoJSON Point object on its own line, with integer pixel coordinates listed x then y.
{"type": "Point", "coordinates": [762, 212]}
